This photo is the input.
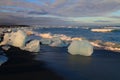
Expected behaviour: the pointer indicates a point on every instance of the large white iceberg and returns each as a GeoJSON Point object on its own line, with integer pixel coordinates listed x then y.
{"type": "Point", "coordinates": [82, 47]}
{"type": "Point", "coordinates": [3, 59]}
{"type": "Point", "coordinates": [33, 46]}
{"type": "Point", "coordinates": [16, 39]}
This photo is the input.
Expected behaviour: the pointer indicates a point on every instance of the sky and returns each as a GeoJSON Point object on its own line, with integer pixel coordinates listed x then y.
{"type": "Point", "coordinates": [57, 12]}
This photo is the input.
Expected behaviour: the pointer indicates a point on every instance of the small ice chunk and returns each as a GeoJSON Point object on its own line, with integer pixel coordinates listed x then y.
{"type": "Point", "coordinates": [57, 42]}
{"type": "Point", "coordinates": [46, 41]}
{"type": "Point", "coordinates": [3, 59]}
{"type": "Point", "coordinates": [33, 46]}
{"type": "Point", "coordinates": [5, 47]}
{"type": "Point", "coordinates": [82, 47]}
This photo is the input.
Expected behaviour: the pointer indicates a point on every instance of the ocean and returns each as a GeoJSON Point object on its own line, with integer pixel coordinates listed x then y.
{"type": "Point", "coordinates": [84, 33]}
{"type": "Point", "coordinates": [101, 65]}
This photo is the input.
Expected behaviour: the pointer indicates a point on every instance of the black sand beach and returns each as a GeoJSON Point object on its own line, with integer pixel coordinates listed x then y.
{"type": "Point", "coordinates": [56, 64]}
{"type": "Point", "coordinates": [21, 66]}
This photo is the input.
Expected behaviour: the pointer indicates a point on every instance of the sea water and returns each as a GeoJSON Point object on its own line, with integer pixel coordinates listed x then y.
{"type": "Point", "coordinates": [84, 33]}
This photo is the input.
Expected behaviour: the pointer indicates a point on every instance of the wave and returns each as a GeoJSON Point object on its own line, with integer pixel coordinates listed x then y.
{"type": "Point", "coordinates": [102, 30]}
{"type": "Point", "coordinates": [106, 29]}
{"type": "Point", "coordinates": [99, 44]}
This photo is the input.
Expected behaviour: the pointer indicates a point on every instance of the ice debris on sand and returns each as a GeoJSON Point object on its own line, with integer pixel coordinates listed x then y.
{"type": "Point", "coordinates": [82, 47]}
{"type": "Point", "coordinates": [3, 59]}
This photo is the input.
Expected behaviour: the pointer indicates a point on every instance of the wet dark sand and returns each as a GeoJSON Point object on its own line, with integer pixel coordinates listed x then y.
{"type": "Point", "coordinates": [58, 64]}
{"type": "Point", "coordinates": [21, 66]}
{"type": "Point", "coordinates": [102, 65]}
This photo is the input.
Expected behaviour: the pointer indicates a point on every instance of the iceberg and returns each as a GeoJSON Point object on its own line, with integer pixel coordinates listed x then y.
{"type": "Point", "coordinates": [57, 42]}
{"type": "Point", "coordinates": [5, 47]}
{"type": "Point", "coordinates": [18, 38]}
{"type": "Point", "coordinates": [82, 47]}
{"type": "Point", "coordinates": [46, 41]}
{"type": "Point", "coordinates": [33, 46]}
{"type": "Point", "coordinates": [5, 39]}
{"type": "Point", "coordinates": [3, 59]}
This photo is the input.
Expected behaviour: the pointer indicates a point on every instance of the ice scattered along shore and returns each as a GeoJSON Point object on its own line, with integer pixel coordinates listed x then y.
{"type": "Point", "coordinates": [54, 42]}
{"type": "Point", "coordinates": [33, 46]}
{"type": "Point", "coordinates": [3, 59]}
{"type": "Point", "coordinates": [82, 47]}
{"type": "Point", "coordinates": [18, 39]}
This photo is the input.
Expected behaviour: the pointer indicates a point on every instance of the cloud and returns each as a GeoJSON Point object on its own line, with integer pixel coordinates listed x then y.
{"type": "Point", "coordinates": [104, 21]}
{"type": "Point", "coordinates": [67, 8]}
{"type": "Point", "coordinates": [38, 13]}
{"type": "Point", "coordinates": [19, 6]}
{"type": "Point", "coordinates": [78, 8]}
{"type": "Point", "coordinates": [21, 20]}
{"type": "Point", "coordinates": [116, 17]}
{"type": "Point", "coordinates": [21, 9]}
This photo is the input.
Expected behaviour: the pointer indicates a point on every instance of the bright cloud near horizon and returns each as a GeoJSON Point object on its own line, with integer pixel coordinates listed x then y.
{"type": "Point", "coordinates": [60, 12]}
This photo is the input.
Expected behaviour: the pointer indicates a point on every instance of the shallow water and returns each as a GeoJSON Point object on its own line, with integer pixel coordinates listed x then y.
{"type": "Point", "coordinates": [102, 65]}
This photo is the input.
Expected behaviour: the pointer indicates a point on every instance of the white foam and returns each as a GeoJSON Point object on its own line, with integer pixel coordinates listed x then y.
{"type": "Point", "coordinates": [102, 30]}
{"type": "Point", "coordinates": [106, 45]}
